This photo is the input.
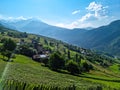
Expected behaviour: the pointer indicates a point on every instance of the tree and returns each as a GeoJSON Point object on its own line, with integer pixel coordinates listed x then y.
{"type": "Point", "coordinates": [76, 58]}
{"type": "Point", "coordinates": [2, 51]}
{"type": "Point", "coordinates": [8, 54]}
{"type": "Point", "coordinates": [8, 48]}
{"type": "Point", "coordinates": [56, 61]}
{"type": "Point", "coordinates": [73, 67]}
{"type": "Point", "coordinates": [3, 33]}
{"type": "Point", "coordinates": [45, 41]}
{"type": "Point", "coordinates": [26, 50]}
{"type": "Point", "coordinates": [69, 56]}
{"type": "Point", "coordinates": [9, 45]}
{"type": "Point", "coordinates": [45, 61]}
{"type": "Point", "coordinates": [25, 35]}
{"type": "Point", "coordinates": [86, 67]}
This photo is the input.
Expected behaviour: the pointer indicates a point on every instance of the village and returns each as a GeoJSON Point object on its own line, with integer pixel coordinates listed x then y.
{"type": "Point", "coordinates": [40, 52]}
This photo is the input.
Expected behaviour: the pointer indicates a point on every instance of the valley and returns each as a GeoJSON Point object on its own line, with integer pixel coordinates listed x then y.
{"type": "Point", "coordinates": [24, 73]}
{"type": "Point", "coordinates": [59, 45]}
{"type": "Point", "coordinates": [105, 39]}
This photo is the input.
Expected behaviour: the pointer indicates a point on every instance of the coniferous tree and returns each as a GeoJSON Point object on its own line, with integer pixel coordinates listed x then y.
{"type": "Point", "coordinates": [69, 56]}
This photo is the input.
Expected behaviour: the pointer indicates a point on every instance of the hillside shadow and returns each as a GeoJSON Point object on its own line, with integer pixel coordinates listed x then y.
{"type": "Point", "coordinates": [103, 79]}
{"type": "Point", "coordinates": [83, 76]}
{"type": "Point", "coordinates": [6, 60]}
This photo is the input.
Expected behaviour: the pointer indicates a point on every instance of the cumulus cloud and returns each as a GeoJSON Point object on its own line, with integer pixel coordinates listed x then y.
{"type": "Point", "coordinates": [75, 12]}
{"type": "Point", "coordinates": [94, 6]}
{"type": "Point", "coordinates": [86, 17]}
{"type": "Point", "coordinates": [95, 11]}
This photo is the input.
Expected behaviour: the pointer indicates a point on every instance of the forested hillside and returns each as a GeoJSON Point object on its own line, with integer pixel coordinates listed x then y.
{"type": "Point", "coordinates": [34, 62]}
{"type": "Point", "coordinates": [105, 38]}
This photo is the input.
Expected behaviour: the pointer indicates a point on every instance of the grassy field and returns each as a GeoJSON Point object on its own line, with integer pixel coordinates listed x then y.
{"type": "Point", "coordinates": [115, 68]}
{"type": "Point", "coordinates": [25, 74]}
{"type": "Point", "coordinates": [24, 69]}
{"type": "Point", "coordinates": [2, 66]}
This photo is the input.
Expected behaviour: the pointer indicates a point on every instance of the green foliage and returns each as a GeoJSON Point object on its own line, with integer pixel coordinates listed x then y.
{"type": "Point", "coordinates": [16, 85]}
{"type": "Point", "coordinates": [45, 61]}
{"type": "Point", "coordinates": [73, 67]}
{"type": "Point", "coordinates": [86, 67]}
{"type": "Point", "coordinates": [78, 58]}
{"type": "Point", "coordinates": [17, 34]}
{"type": "Point", "coordinates": [7, 48]}
{"type": "Point", "coordinates": [8, 54]}
{"type": "Point", "coordinates": [25, 72]}
{"type": "Point", "coordinates": [69, 55]}
{"type": "Point", "coordinates": [26, 50]}
{"type": "Point", "coordinates": [9, 44]}
{"type": "Point", "coordinates": [56, 61]}
{"type": "Point", "coordinates": [115, 68]}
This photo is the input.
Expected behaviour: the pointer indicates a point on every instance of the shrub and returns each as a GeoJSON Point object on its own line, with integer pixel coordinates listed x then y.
{"type": "Point", "coordinates": [73, 67]}
{"type": "Point", "coordinates": [86, 67]}
{"type": "Point", "coordinates": [26, 50]}
{"type": "Point", "coordinates": [56, 61]}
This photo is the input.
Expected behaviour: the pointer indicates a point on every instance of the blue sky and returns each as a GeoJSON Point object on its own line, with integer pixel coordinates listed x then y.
{"type": "Point", "coordinates": [63, 13]}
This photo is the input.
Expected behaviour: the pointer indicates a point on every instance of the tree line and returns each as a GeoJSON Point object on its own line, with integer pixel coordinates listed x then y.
{"type": "Point", "coordinates": [56, 60]}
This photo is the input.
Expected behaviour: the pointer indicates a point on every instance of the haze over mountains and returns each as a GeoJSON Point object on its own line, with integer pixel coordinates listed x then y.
{"type": "Point", "coordinates": [104, 38]}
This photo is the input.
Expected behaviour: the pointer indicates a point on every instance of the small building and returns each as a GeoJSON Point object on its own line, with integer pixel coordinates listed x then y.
{"type": "Point", "coordinates": [43, 56]}
{"type": "Point", "coordinates": [40, 57]}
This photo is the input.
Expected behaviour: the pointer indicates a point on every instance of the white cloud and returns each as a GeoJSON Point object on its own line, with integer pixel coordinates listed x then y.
{"type": "Point", "coordinates": [96, 10]}
{"type": "Point", "coordinates": [86, 17]}
{"type": "Point", "coordinates": [70, 26]}
{"type": "Point", "coordinates": [76, 12]}
{"type": "Point", "coordinates": [94, 7]}
{"type": "Point", "coordinates": [74, 24]}
{"type": "Point", "coordinates": [60, 25]}
{"type": "Point", "coordinates": [14, 18]}
{"type": "Point", "coordinates": [95, 13]}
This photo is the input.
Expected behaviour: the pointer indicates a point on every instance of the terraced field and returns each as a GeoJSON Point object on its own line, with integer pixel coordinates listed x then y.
{"type": "Point", "coordinates": [24, 73]}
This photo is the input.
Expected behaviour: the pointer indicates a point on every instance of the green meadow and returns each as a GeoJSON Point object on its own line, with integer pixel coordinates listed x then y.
{"type": "Point", "coordinates": [25, 70]}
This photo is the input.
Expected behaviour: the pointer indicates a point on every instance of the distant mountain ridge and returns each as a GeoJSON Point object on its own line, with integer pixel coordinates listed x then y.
{"type": "Point", "coordinates": [104, 38]}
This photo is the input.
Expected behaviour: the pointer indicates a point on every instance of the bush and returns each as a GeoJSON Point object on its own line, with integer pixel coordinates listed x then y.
{"type": "Point", "coordinates": [8, 48]}
{"type": "Point", "coordinates": [73, 67]}
{"type": "Point", "coordinates": [26, 50]}
{"type": "Point", "coordinates": [86, 67]}
{"type": "Point", "coordinates": [45, 61]}
{"type": "Point", "coordinates": [56, 61]}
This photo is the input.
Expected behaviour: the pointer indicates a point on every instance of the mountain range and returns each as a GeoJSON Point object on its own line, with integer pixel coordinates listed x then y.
{"type": "Point", "coordinates": [104, 38]}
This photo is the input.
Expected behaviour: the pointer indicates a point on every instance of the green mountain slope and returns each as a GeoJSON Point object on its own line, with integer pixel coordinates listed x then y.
{"type": "Point", "coordinates": [105, 38]}
{"type": "Point", "coordinates": [24, 72]}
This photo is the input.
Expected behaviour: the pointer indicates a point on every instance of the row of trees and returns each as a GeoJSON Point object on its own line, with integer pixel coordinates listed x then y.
{"type": "Point", "coordinates": [17, 34]}
{"type": "Point", "coordinates": [57, 62]}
